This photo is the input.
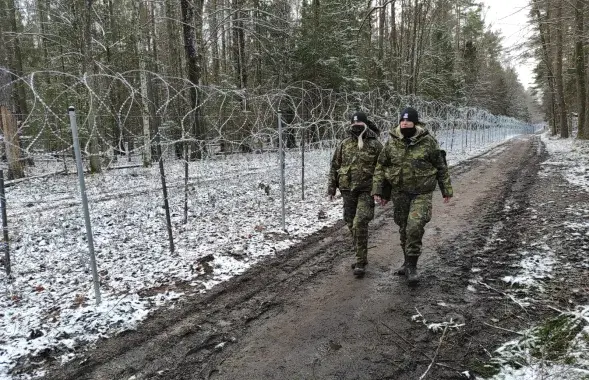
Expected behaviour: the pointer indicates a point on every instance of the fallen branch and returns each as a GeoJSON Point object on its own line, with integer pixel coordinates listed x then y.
{"type": "Point", "coordinates": [15, 181]}
{"type": "Point", "coordinates": [449, 367]}
{"type": "Point", "coordinates": [435, 354]}
{"type": "Point", "coordinates": [501, 328]}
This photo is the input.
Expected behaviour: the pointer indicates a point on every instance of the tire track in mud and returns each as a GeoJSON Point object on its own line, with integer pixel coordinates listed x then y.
{"type": "Point", "coordinates": [209, 320]}
{"type": "Point", "coordinates": [202, 334]}
{"type": "Point", "coordinates": [476, 261]}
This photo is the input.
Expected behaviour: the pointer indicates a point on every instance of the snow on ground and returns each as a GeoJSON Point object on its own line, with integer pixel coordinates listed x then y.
{"type": "Point", "coordinates": [234, 221]}
{"type": "Point", "coordinates": [572, 156]}
{"type": "Point", "coordinates": [535, 266]}
{"type": "Point", "coordinates": [518, 359]}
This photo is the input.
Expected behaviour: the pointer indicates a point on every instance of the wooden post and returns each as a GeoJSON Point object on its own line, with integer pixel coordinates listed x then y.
{"type": "Point", "coordinates": [8, 128]}
{"type": "Point", "coordinates": [11, 143]}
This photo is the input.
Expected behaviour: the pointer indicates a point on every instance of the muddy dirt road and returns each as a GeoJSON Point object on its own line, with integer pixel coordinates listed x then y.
{"type": "Point", "coordinates": [302, 315]}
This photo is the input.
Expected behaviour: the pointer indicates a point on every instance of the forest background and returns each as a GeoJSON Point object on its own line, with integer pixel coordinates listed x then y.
{"type": "Point", "coordinates": [135, 67]}
{"type": "Point", "coordinates": [196, 68]}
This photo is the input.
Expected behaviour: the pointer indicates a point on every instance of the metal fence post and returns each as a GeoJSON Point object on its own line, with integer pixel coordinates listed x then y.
{"type": "Point", "coordinates": [164, 190]}
{"type": "Point", "coordinates": [6, 246]}
{"type": "Point", "coordinates": [74, 125]}
{"type": "Point", "coordinates": [303, 164]}
{"type": "Point", "coordinates": [127, 151]}
{"type": "Point", "coordinates": [282, 168]}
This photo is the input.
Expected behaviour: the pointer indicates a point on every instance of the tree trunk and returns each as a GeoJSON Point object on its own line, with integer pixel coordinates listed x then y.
{"type": "Point", "coordinates": [11, 143]}
{"type": "Point", "coordinates": [238, 45]}
{"type": "Point", "coordinates": [17, 63]}
{"type": "Point", "coordinates": [154, 96]}
{"type": "Point", "coordinates": [423, 32]}
{"type": "Point", "coordinates": [545, 42]}
{"type": "Point", "coordinates": [118, 132]}
{"type": "Point", "coordinates": [458, 55]}
{"type": "Point", "coordinates": [580, 70]}
{"type": "Point", "coordinates": [224, 36]}
{"type": "Point", "coordinates": [257, 53]}
{"type": "Point", "coordinates": [89, 69]}
{"type": "Point", "coordinates": [584, 133]}
{"type": "Point", "coordinates": [215, 57]}
{"type": "Point", "coordinates": [43, 7]}
{"type": "Point", "coordinates": [381, 30]}
{"type": "Point", "coordinates": [4, 49]}
{"type": "Point", "coordinates": [141, 39]}
{"type": "Point", "coordinates": [395, 57]}
{"type": "Point", "coordinates": [193, 58]}
{"type": "Point", "coordinates": [413, 51]}
{"type": "Point", "coordinates": [562, 113]}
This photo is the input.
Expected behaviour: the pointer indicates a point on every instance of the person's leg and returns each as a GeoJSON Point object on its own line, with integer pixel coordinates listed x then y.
{"type": "Point", "coordinates": [420, 213]}
{"type": "Point", "coordinates": [364, 214]}
{"type": "Point", "coordinates": [401, 205]}
{"type": "Point", "coordinates": [350, 205]}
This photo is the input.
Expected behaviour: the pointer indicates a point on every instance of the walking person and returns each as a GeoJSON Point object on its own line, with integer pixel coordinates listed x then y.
{"type": "Point", "coordinates": [410, 165]}
{"type": "Point", "coordinates": [351, 171]}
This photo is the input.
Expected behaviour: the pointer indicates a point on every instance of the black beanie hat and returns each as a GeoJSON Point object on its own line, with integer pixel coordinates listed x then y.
{"type": "Point", "coordinates": [409, 114]}
{"type": "Point", "coordinates": [359, 117]}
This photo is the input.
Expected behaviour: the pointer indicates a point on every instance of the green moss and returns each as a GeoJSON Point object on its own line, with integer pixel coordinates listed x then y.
{"type": "Point", "coordinates": [549, 341]}
{"type": "Point", "coordinates": [554, 337]}
{"type": "Point", "coordinates": [570, 360]}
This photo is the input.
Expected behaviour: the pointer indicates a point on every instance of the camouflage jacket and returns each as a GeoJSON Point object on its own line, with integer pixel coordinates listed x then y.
{"type": "Point", "coordinates": [352, 168]}
{"type": "Point", "coordinates": [413, 166]}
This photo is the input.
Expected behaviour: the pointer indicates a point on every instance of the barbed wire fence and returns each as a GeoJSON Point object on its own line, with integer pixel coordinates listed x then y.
{"type": "Point", "coordinates": [224, 173]}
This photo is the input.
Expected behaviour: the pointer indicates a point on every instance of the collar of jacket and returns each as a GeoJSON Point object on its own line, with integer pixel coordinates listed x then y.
{"type": "Point", "coordinates": [419, 134]}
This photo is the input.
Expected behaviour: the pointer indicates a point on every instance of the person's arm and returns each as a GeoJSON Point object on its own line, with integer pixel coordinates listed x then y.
{"type": "Point", "coordinates": [380, 187]}
{"type": "Point", "coordinates": [438, 159]}
{"type": "Point", "coordinates": [336, 163]}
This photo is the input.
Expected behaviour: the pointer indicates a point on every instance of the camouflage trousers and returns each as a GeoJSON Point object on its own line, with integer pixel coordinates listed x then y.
{"type": "Point", "coordinates": [358, 212]}
{"type": "Point", "coordinates": [411, 212]}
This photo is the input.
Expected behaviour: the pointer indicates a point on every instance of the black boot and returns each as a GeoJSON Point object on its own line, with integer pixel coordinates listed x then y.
{"type": "Point", "coordinates": [359, 269]}
{"type": "Point", "coordinates": [401, 270]}
{"type": "Point", "coordinates": [411, 271]}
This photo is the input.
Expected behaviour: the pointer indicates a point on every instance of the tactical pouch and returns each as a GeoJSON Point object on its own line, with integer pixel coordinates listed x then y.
{"type": "Point", "coordinates": [343, 177]}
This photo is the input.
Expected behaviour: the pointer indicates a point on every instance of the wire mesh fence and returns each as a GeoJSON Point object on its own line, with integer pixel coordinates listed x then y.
{"type": "Point", "coordinates": [118, 121]}
{"type": "Point", "coordinates": [215, 155]}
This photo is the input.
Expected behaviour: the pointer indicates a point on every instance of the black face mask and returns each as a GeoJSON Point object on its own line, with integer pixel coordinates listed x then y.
{"type": "Point", "coordinates": [357, 129]}
{"type": "Point", "coordinates": [408, 132]}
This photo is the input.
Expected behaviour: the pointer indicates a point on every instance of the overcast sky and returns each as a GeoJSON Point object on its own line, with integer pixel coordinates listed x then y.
{"type": "Point", "coordinates": [511, 18]}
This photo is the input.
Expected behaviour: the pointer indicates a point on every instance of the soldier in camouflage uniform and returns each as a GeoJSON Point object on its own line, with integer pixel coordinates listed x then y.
{"type": "Point", "coordinates": [411, 164]}
{"type": "Point", "coordinates": [352, 167]}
